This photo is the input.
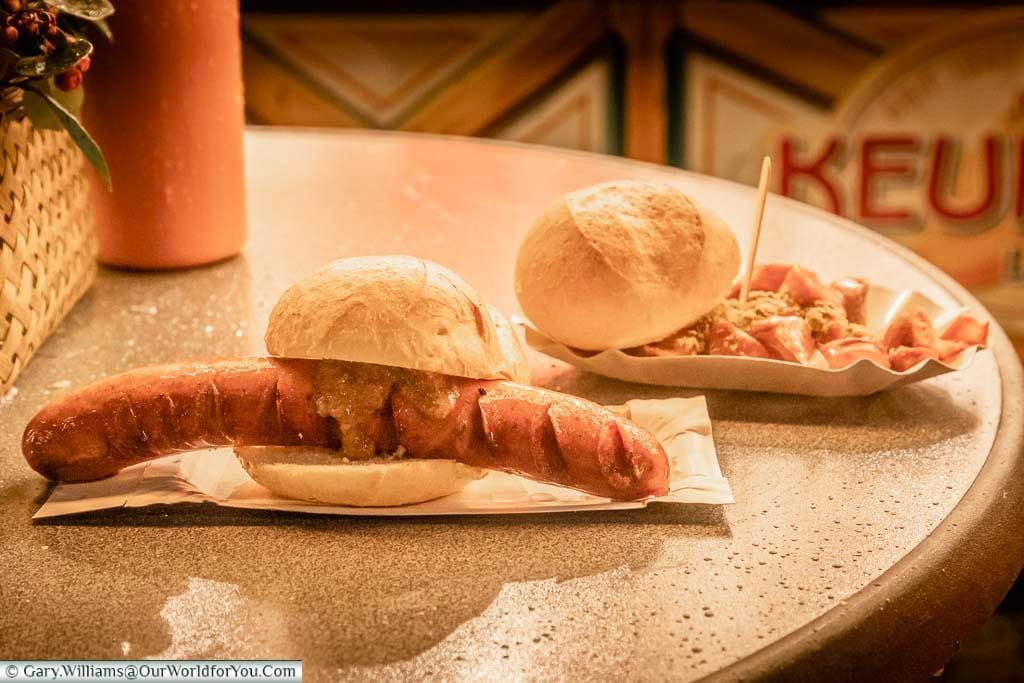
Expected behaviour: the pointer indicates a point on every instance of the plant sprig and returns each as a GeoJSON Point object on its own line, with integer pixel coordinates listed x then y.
{"type": "Point", "coordinates": [56, 62]}
{"type": "Point", "coordinates": [90, 10]}
{"type": "Point", "coordinates": [44, 52]}
{"type": "Point", "coordinates": [78, 133]}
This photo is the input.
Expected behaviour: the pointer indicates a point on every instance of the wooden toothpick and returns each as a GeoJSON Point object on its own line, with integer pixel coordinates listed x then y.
{"type": "Point", "coordinates": [762, 195]}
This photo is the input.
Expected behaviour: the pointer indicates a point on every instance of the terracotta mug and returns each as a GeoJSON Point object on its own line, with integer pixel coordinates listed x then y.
{"type": "Point", "coordinates": [165, 104]}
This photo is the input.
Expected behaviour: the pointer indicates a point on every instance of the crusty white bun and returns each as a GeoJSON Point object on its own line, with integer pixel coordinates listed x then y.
{"type": "Point", "coordinates": [400, 311]}
{"type": "Point", "coordinates": [319, 475]}
{"type": "Point", "coordinates": [623, 263]}
{"type": "Point", "coordinates": [519, 367]}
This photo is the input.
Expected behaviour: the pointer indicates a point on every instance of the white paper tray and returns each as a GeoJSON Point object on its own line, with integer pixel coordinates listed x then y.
{"type": "Point", "coordinates": [681, 425]}
{"type": "Point", "coordinates": [761, 374]}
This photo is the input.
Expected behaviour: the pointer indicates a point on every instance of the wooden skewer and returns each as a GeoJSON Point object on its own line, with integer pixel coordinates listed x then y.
{"type": "Point", "coordinates": [762, 195]}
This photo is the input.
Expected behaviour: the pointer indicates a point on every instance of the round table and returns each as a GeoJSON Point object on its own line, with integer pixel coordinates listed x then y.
{"type": "Point", "coordinates": [869, 535]}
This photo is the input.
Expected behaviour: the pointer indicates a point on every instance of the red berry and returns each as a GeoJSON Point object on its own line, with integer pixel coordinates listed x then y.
{"type": "Point", "coordinates": [84, 64]}
{"type": "Point", "coordinates": [68, 80]}
{"type": "Point", "coordinates": [10, 35]}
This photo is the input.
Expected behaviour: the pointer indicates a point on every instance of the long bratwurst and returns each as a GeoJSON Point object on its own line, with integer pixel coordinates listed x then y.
{"type": "Point", "coordinates": [356, 408]}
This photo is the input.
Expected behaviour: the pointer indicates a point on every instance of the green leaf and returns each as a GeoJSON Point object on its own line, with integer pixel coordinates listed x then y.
{"type": "Point", "coordinates": [40, 111]}
{"type": "Point", "coordinates": [104, 28]}
{"type": "Point", "coordinates": [93, 10]}
{"type": "Point", "coordinates": [60, 60]}
{"type": "Point", "coordinates": [82, 27]}
{"type": "Point", "coordinates": [81, 137]}
{"type": "Point", "coordinates": [69, 99]}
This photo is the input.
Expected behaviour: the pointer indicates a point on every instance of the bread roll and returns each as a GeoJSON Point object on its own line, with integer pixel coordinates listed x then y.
{"type": "Point", "coordinates": [400, 311]}
{"type": "Point", "coordinates": [397, 311]}
{"type": "Point", "coordinates": [623, 263]}
{"type": "Point", "coordinates": [319, 475]}
{"type": "Point", "coordinates": [519, 370]}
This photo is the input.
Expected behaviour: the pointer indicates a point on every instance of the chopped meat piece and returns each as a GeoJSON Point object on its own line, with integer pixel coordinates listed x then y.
{"type": "Point", "coordinates": [948, 349]}
{"type": "Point", "coordinates": [862, 331]}
{"type": "Point", "coordinates": [832, 332]}
{"type": "Point", "coordinates": [758, 306]}
{"type": "Point", "coordinates": [911, 328]}
{"type": "Point", "coordinates": [967, 329]}
{"type": "Point", "coordinates": [682, 343]}
{"type": "Point", "coordinates": [905, 357]}
{"type": "Point", "coordinates": [786, 338]}
{"type": "Point", "coordinates": [818, 361]}
{"type": "Point", "coordinates": [689, 341]}
{"type": "Point", "coordinates": [725, 339]}
{"type": "Point", "coordinates": [827, 321]}
{"type": "Point", "coordinates": [844, 352]}
{"type": "Point", "coordinates": [767, 277]}
{"type": "Point", "coordinates": [791, 315]}
{"type": "Point", "coordinates": [855, 298]}
{"type": "Point", "coordinates": [807, 288]}
{"type": "Point", "coordinates": [914, 329]}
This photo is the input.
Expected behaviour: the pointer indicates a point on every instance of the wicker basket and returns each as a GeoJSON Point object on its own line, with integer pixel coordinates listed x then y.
{"type": "Point", "coordinates": [47, 243]}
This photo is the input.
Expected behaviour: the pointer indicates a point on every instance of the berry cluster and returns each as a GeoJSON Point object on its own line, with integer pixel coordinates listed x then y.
{"type": "Point", "coordinates": [72, 78]}
{"type": "Point", "coordinates": [31, 28]}
{"type": "Point", "coordinates": [44, 53]}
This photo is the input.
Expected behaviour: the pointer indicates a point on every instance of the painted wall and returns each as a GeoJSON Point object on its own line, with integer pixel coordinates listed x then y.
{"type": "Point", "coordinates": [908, 120]}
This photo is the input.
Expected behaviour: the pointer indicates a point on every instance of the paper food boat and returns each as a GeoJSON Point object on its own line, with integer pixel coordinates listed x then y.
{"type": "Point", "coordinates": [681, 425]}
{"type": "Point", "coordinates": [760, 374]}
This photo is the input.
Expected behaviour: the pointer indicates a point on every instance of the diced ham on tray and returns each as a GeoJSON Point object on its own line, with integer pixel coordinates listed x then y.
{"type": "Point", "coordinates": [725, 339]}
{"type": "Point", "coordinates": [793, 315]}
{"type": "Point", "coordinates": [786, 338]}
{"type": "Point", "coordinates": [843, 352]}
{"type": "Point", "coordinates": [854, 291]}
{"type": "Point", "coordinates": [966, 329]}
{"type": "Point", "coordinates": [807, 289]}
{"type": "Point", "coordinates": [905, 357]}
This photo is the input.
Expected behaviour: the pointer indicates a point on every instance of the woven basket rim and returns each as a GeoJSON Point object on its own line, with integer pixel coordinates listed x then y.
{"type": "Point", "coordinates": [10, 100]}
{"type": "Point", "coordinates": [47, 245]}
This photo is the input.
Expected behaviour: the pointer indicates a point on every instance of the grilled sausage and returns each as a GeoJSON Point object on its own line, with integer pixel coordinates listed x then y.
{"type": "Point", "coordinates": [537, 433]}
{"type": "Point", "coordinates": [152, 412]}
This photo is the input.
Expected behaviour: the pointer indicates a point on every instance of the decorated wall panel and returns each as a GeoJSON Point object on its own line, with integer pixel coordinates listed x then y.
{"type": "Point", "coordinates": [906, 119]}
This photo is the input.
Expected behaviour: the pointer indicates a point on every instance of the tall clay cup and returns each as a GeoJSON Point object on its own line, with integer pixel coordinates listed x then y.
{"type": "Point", "coordinates": [165, 103]}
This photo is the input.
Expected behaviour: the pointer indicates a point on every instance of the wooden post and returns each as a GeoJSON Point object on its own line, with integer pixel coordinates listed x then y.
{"type": "Point", "coordinates": [644, 28]}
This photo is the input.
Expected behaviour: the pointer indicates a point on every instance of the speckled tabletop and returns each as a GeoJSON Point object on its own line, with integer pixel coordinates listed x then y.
{"type": "Point", "coordinates": [870, 534]}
